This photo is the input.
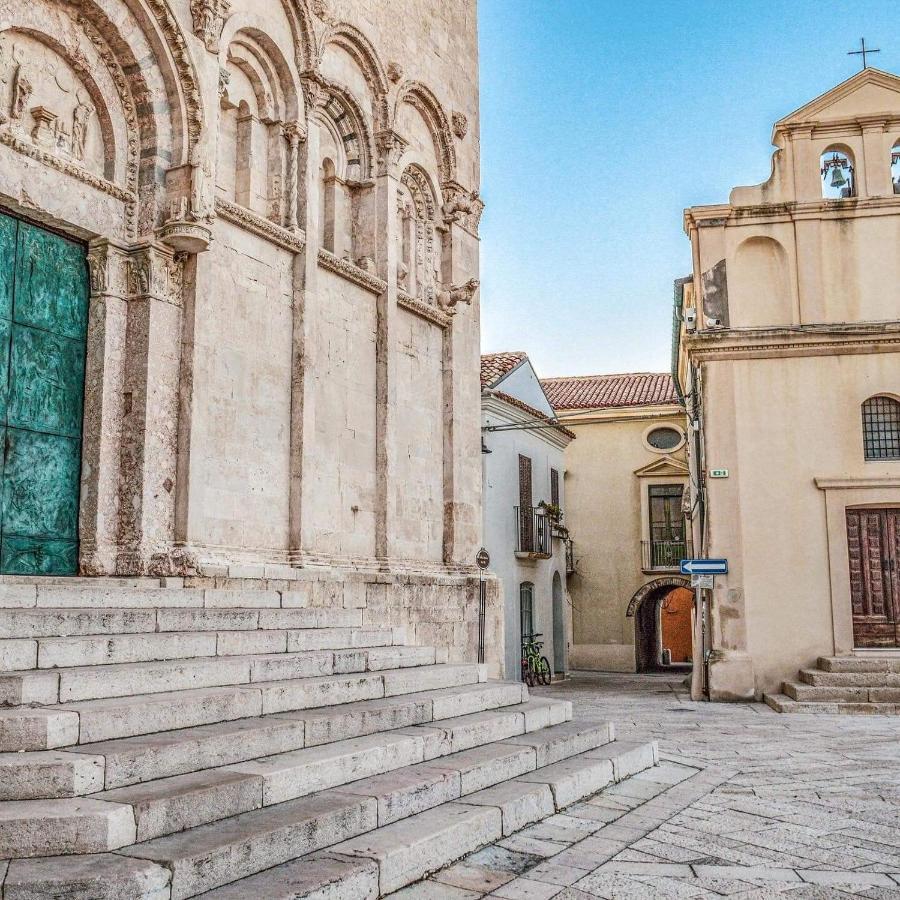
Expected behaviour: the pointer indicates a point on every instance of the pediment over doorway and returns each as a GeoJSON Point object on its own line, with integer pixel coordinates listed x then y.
{"type": "Point", "coordinates": [666, 466]}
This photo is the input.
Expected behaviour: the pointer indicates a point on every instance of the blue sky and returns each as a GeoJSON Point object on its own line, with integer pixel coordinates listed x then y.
{"type": "Point", "coordinates": [600, 122]}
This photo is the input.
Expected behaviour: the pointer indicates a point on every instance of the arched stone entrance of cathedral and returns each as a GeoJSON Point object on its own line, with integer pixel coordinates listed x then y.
{"type": "Point", "coordinates": [662, 624]}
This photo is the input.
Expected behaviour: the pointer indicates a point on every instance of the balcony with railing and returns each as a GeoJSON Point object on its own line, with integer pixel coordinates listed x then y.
{"type": "Point", "coordinates": [534, 533]}
{"type": "Point", "coordinates": [664, 555]}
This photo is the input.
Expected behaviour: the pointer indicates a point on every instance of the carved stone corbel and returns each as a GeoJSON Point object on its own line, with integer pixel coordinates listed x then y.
{"type": "Point", "coordinates": [463, 293]}
{"type": "Point", "coordinates": [208, 17]}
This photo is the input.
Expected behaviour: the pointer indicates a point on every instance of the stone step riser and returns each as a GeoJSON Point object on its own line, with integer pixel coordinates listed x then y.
{"type": "Point", "coordinates": [303, 593]}
{"type": "Point", "coordinates": [784, 704]}
{"type": "Point", "coordinates": [817, 678]}
{"type": "Point", "coordinates": [49, 623]}
{"type": "Point", "coordinates": [887, 664]}
{"type": "Point", "coordinates": [807, 693]}
{"type": "Point", "coordinates": [122, 680]}
{"type": "Point", "coordinates": [127, 761]}
{"type": "Point", "coordinates": [34, 728]}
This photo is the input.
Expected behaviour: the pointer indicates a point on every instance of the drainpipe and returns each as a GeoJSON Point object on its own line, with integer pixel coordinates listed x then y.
{"type": "Point", "coordinates": [695, 430]}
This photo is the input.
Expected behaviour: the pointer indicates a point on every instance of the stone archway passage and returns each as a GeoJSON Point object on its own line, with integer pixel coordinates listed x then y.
{"type": "Point", "coordinates": [43, 327]}
{"type": "Point", "coordinates": [646, 608]}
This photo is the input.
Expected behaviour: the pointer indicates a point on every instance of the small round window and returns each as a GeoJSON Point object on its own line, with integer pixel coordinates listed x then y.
{"type": "Point", "coordinates": [664, 439]}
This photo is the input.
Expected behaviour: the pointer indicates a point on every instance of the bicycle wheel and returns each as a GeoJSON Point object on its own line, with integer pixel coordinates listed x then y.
{"type": "Point", "coordinates": [544, 672]}
{"type": "Point", "coordinates": [527, 674]}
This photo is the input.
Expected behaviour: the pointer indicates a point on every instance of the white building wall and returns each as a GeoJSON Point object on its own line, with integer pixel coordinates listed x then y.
{"type": "Point", "coordinates": [501, 496]}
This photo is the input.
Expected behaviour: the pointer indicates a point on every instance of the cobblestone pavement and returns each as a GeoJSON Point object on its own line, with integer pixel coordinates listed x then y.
{"type": "Point", "coordinates": [746, 804]}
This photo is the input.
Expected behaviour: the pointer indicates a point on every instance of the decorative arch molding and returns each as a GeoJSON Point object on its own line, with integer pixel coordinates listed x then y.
{"type": "Point", "coordinates": [262, 61]}
{"type": "Point", "coordinates": [424, 196]}
{"type": "Point", "coordinates": [341, 112]}
{"type": "Point", "coordinates": [358, 46]}
{"type": "Point", "coordinates": [421, 98]}
{"type": "Point", "coordinates": [673, 581]}
{"type": "Point", "coordinates": [305, 48]}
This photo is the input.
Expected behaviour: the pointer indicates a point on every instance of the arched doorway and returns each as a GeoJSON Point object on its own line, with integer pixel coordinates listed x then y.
{"type": "Point", "coordinates": [560, 664]}
{"type": "Point", "coordinates": [663, 632]}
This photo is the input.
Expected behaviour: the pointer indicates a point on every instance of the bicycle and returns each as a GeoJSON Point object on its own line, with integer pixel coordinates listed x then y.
{"type": "Point", "coordinates": [535, 668]}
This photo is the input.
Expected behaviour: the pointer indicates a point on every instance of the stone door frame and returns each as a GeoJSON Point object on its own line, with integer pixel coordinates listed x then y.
{"type": "Point", "coordinates": [842, 494]}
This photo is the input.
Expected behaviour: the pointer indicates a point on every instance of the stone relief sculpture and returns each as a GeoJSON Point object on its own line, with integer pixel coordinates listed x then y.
{"type": "Point", "coordinates": [47, 103]}
{"type": "Point", "coordinates": [463, 293]}
{"type": "Point", "coordinates": [208, 17]}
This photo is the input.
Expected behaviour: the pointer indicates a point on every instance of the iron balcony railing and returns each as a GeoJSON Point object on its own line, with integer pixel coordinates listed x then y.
{"type": "Point", "coordinates": [533, 531]}
{"type": "Point", "coordinates": [664, 555]}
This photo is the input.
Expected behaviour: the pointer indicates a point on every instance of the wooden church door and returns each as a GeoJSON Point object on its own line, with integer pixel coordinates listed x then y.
{"type": "Point", "coordinates": [43, 328]}
{"type": "Point", "coordinates": [873, 539]}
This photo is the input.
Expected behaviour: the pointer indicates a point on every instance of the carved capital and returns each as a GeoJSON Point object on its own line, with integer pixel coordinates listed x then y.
{"type": "Point", "coordinates": [315, 90]}
{"type": "Point", "coordinates": [390, 147]}
{"type": "Point", "coordinates": [154, 271]}
{"type": "Point", "coordinates": [294, 132]}
{"type": "Point", "coordinates": [455, 294]}
{"type": "Point", "coordinates": [107, 269]}
{"type": "Point", "coordinates": [208, 17]}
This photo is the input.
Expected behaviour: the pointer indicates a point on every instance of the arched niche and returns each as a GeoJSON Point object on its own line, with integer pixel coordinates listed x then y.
{"type": "Point", "coordinates": [420, 233]}
{"type": "Point", "coordinates": [416, 104]}
{"type": "Point", "coordinates": [258, 100]}
{"type": "Point", "coordinates": [837, 168]}
{"type": "Point", "coordinates": [345, 177]}
{"type": "Point", "coordinates": [759, 284]}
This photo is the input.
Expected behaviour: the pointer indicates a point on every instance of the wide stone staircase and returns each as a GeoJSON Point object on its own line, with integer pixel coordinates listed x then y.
{"type": "Point", "coordinates": [171, 742]}
{"type": "Point", "coordinates": [865, 684]}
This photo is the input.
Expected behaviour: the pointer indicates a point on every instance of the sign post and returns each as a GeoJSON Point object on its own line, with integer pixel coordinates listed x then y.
{"type": "Point", "coordinates": [482, 560]}
{"type": "Point", "coordinates": [703, 578]}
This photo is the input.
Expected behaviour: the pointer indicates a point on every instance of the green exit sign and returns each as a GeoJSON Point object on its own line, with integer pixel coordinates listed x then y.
{"type": "Point", "coordinates": [718, 473]}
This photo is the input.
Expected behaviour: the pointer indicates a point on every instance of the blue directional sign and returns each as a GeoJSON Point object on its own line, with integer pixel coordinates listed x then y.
{"type": "Point", "coordinates": [704, 567]}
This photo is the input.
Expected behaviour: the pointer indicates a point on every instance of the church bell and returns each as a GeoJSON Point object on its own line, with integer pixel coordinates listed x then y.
{"type": "Point", "coordinates": [837, 177]}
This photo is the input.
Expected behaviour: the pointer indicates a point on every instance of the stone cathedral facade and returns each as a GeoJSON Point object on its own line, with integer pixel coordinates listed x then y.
{"type": "Point", "coordinates": [240, 263]}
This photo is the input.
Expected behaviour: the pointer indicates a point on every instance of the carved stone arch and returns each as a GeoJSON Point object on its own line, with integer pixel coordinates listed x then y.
{"type": "Point", "coordinates": [421, 98]}
{"type": "Point", "coordinates": [672, 581]}
{"type": "Point", "coordinates": [344, 115]}
{"type": "Point", "coordinates": [423, 193]}
{"type": "Point", "coordinates": [151, 49]}
{"type": "Point", "coordinates": [305, 47]}
{"type": "Point", "coordinates": [358, 46]}
{"type": "Point", "coordinates": [267, 69]}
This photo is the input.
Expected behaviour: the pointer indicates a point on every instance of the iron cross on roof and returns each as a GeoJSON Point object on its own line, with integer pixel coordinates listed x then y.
{"type": "Point", "coordinates": [862, 52]}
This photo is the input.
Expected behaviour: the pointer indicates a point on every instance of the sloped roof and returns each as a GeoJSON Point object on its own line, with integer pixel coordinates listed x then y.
{"type": "Point", "coordinates": [495, 365]}
{"type": "Point", "coordinates": [519, 404]}
{"type": "Point", "coordinates": [610, 391]}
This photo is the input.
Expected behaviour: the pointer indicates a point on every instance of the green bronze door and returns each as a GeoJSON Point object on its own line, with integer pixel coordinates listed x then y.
{"type": "Point", "coordinates": [43, 324]}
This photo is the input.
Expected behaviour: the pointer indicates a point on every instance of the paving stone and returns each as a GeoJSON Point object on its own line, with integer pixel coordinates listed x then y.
{"type": "Point", "coordinates": [432, 890]}
{"type": "Point", "coordinates": [527, 889]}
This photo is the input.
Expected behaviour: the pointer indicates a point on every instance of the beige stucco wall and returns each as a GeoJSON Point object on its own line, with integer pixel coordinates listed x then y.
{"type": "Point", "coordinates": [777, 431]}
{"type": "Point", "coordinates": [607, 517]}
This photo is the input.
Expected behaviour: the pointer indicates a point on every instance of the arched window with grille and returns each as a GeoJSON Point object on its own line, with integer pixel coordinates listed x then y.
{"type": "Point", "coordinates": [881, 428]}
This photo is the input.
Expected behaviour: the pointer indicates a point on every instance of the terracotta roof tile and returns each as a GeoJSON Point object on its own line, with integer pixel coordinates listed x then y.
{"type": "Point", "coordinates": [495, 365]}
{"type": "Point", "coordinates": [610, 391]}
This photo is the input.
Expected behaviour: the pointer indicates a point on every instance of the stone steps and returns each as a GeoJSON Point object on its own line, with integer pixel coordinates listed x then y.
{"type": "Point", "coordinates": [88, 768]}
{"type": "Point", "coordinates": [64, 685]}
{"type": "Point", "coordinates": [784, 704]}
{"type": "Point", "coordinates": [819, 678]}
{"type": "Point", "coordinates": [88, 721]}
{"type": "Point", "coordinates": [863, 684]}
{"type": "Point", "coordinates": [53, 622]}
{"type": "Point", "coordinates": [18, 654]}
{"type": "Point", "coordinates": [122, 816]}
{"type": "Point", "coordinates": [393, 855]}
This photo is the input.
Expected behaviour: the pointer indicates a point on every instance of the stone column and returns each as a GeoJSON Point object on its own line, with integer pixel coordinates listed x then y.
{"type": "Point", "coordinates": [103, 383]}
{"type": "Point", "coordinates": [462, 388]}
{"type": "Point", "coordinates": [390, 148]}
{"type": "Point", "coordinates": [150, 411]}
{"type": "Point", "coordinates": [304, 343]}
{"type": "Point", "coordinates": [294, 132]}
